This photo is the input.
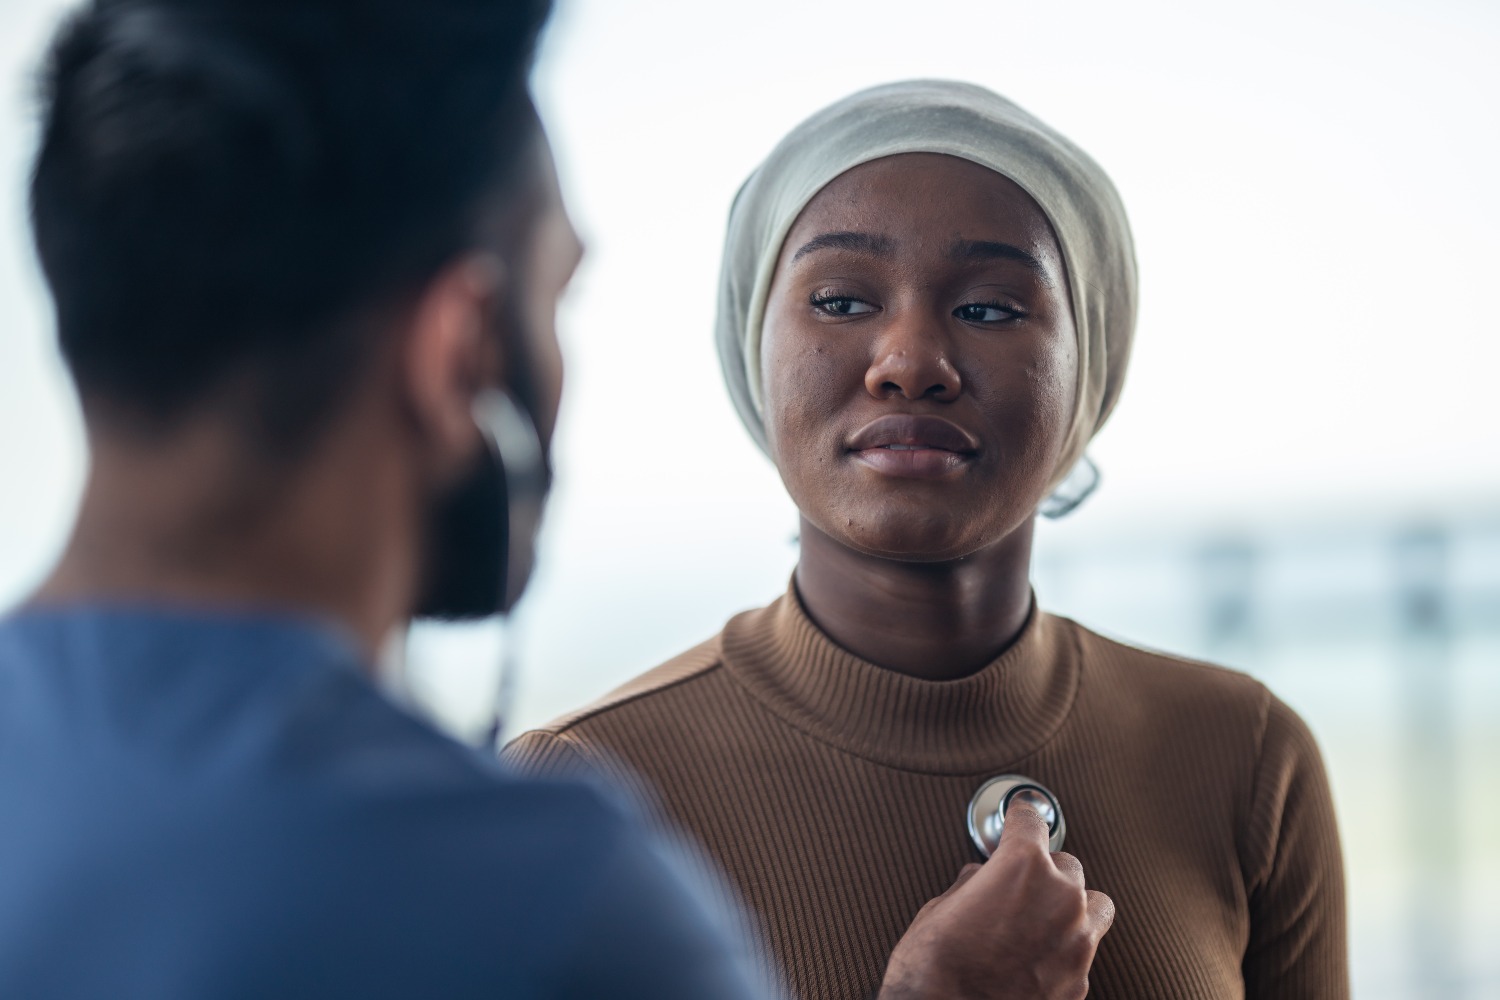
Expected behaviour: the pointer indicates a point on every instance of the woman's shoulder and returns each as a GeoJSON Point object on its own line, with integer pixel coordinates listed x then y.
{"type": "Point", "coordinates": [666, 692]}
{"type": "Point", "coordinates": [680, 670]}
{"type": "Point", "coordinates": [1165, 692]}
{"type": "Point", "coordinates": [1130, 669]}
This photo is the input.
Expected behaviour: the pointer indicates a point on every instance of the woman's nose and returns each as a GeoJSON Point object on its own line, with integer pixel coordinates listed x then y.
{"type": "Point", "coordinates": [911, 360]}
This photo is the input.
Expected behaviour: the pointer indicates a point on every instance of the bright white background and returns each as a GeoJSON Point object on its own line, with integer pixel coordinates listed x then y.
{"type": "Point", "coordinates": [1312, 188]}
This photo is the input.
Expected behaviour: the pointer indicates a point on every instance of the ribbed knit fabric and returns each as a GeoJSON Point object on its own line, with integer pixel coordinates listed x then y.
{"type": "Point", "coordinates": [833, 793]}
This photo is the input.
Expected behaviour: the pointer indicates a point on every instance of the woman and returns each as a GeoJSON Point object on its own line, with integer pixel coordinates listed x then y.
{"type": "Point", "coordinates": [927, 305]}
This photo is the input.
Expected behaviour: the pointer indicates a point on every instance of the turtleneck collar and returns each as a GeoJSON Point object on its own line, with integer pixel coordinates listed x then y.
{"type": "Point", "coordinates": [974, 724]}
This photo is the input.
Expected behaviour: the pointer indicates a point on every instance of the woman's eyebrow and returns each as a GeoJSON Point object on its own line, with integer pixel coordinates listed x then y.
{"type": "Point", "coordinates": [992, 250]}
{"type": "Point", "coordinates": [867, 243]}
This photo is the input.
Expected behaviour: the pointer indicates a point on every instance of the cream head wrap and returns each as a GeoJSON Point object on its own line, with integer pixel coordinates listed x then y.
{"type": "Point", "coordinates": [956, 119]}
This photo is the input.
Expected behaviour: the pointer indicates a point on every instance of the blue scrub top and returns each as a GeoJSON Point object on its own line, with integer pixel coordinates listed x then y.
{"type": "Point", "coordinates": [220, 806]}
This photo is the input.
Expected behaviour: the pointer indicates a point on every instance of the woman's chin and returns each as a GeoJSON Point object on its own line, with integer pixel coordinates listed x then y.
{"type": "Point", "coordinates": [906, 541]}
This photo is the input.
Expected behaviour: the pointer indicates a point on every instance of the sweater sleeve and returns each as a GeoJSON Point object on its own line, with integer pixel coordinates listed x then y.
{"type": "Point", "coordinates": [1294, 871]}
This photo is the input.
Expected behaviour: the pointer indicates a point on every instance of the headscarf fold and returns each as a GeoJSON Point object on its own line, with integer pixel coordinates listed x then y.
{"type": "Point", "coordinates": [972, 123]}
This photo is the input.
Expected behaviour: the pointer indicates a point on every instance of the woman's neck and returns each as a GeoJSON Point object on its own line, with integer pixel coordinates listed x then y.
{"type": "Point", "coordinates": [936, 621]}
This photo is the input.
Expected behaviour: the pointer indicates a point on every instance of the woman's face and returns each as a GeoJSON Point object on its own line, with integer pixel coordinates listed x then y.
{"type": "Point", "coordinates": [919, 357]}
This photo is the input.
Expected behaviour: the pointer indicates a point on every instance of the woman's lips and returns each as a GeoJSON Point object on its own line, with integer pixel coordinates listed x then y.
{"type": "Point", "coordinates": [912, 446]}
{"type": "Point", "coordinates": [912, 462]}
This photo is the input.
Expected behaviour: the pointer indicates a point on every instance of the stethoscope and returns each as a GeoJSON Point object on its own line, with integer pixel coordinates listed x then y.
{"type": "Point", "coordinates": [987, 811]}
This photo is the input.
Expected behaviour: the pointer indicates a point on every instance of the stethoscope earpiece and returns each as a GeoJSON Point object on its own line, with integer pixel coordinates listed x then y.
{"type": "Point", "coordinates": [987, 811]}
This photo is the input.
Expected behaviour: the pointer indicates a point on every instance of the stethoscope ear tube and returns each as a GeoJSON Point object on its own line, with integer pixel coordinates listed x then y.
{"type": "Point", "coordinates": [986, 817]}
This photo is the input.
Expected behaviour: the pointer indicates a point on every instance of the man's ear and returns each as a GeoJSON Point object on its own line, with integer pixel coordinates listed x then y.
{"type": "Point", "coordinates": [449, 357]}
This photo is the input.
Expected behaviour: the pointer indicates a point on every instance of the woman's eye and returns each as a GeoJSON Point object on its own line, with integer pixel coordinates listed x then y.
{"type": "Point", "coordinates": [985, 312]}
{"type": "Point", "coordinates": [840, 305]}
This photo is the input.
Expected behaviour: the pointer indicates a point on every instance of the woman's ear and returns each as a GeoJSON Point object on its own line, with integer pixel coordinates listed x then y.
{"type": "Point", "coordinates": [449, 357]}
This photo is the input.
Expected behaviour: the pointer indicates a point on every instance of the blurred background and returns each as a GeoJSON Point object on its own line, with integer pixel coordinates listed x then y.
{"type": "Point", "coordinates": [1302, 479]}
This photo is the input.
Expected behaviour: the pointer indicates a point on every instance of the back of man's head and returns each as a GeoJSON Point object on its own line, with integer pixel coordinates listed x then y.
{"type": "Point", "coordinates": [225, 188]}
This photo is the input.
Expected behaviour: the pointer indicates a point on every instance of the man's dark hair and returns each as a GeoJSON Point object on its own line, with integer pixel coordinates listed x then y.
{"type": "Point", "coordinates": [225, 187]}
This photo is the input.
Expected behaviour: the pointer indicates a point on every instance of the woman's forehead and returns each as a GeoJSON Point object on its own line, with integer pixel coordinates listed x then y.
{"type": "Point", "coordinates": [921, 202]}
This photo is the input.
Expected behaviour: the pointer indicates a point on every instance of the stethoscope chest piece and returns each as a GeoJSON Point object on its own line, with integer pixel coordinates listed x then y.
{"type": "Point", "coordinates": [987, 810]}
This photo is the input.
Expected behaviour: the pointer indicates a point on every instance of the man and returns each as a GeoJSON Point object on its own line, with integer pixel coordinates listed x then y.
{"type": "Point", "coordinates": [305, 256]}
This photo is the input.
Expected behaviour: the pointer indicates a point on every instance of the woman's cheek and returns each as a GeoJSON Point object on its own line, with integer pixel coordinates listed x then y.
{"type": "Point", "coordinates": [1058, 376]}
{"type": "Point", "coordinates": [803, 389]}
{"type": "Point", "coordinates": [1037, 405]}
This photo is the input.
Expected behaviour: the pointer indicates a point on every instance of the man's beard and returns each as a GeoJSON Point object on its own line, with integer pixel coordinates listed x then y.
{"type": "Point", "coordinates": [468, 547]}
{"type": "Point", "coordinates": [481, 534]}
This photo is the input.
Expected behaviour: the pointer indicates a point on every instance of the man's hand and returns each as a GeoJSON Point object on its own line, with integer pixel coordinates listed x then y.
{"type": "Point", "coordinates": [1022, 926]}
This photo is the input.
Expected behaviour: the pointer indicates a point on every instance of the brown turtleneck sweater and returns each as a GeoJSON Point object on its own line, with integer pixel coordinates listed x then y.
{"type": "Point", "coordinates": [833, 794]}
